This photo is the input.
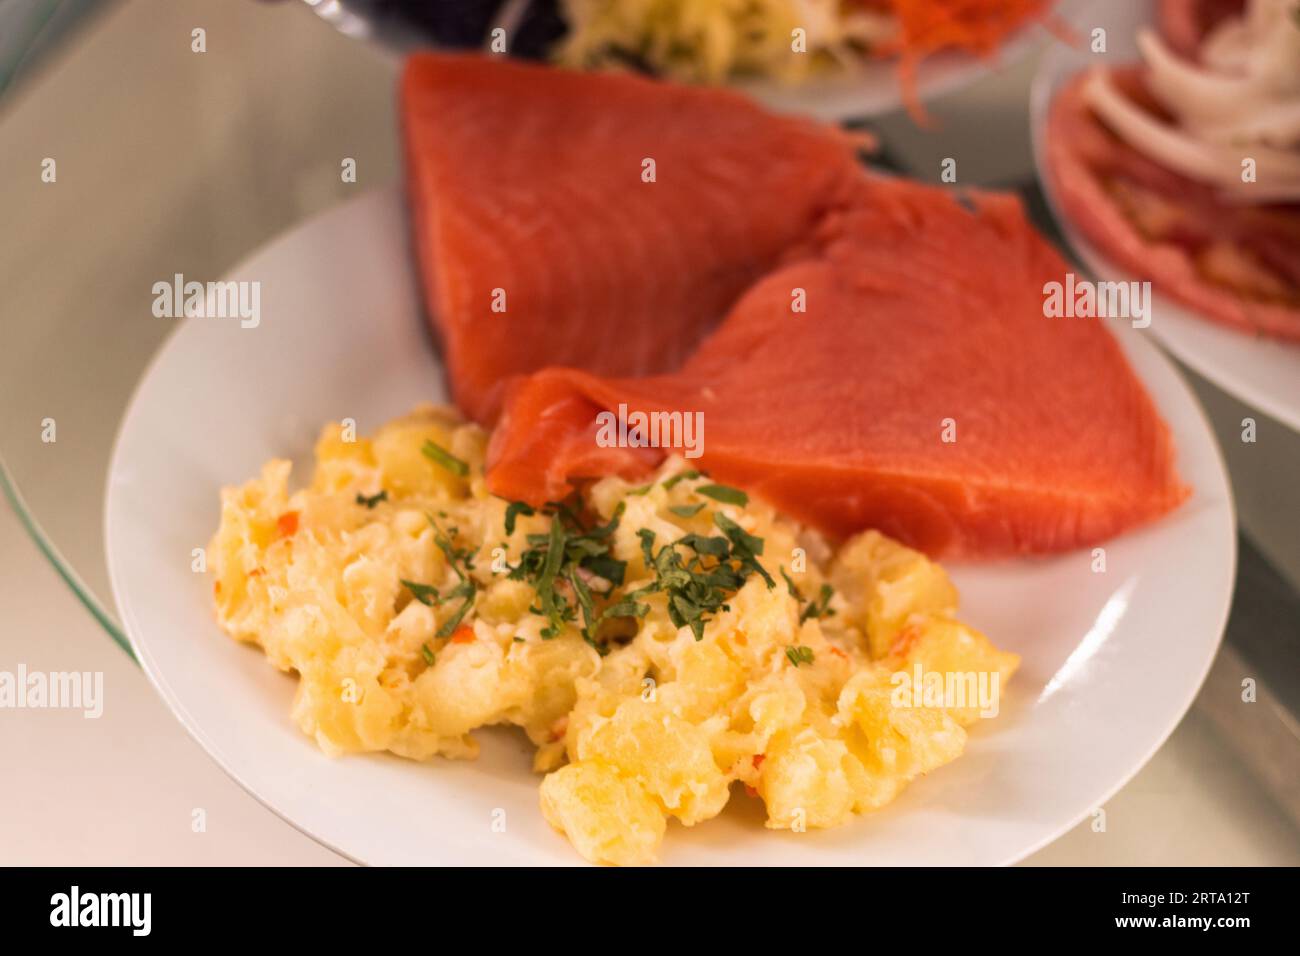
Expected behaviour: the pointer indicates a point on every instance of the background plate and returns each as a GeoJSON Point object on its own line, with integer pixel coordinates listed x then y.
{"type": "Point", "coordinates": [873, 87]}
{"type": "Point", "coordinates": [865, 88]}
{"type": "Point", "coordinates": [1264, 373]}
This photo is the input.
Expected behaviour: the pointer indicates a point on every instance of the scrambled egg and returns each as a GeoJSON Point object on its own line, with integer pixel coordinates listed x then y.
{"type": "Point", "coordinates": [412, 616]}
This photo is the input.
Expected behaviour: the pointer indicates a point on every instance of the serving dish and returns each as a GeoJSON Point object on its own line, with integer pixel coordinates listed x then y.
{"type": "Point", "coordinates": [1111, 658]}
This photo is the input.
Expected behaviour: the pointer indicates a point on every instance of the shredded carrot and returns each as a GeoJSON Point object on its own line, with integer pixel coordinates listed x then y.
{"type": "Point", "coordinates": [758, 760]}
{"type": "Point", "coordinates": [559, 728]}
{"type": "Point", "coordinates": [838, 652]}
{"type": "Point", "coordinates": [287, 524]}
{"type": "Point", "coordinates": [926, 27]}
{"type": "Point", "coordinates": [463, 635]}
{"type": "Point", "coordinates": [256, 572]}
{"type": "Point", "coordinates": [904, 640]}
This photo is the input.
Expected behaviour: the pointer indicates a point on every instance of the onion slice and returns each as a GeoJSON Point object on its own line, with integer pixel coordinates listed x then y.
{"type": "Point", "coordinates": [1277, 171]}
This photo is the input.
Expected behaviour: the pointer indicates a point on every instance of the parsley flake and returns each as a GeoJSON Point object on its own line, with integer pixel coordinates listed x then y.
{"type": "Point", "coordinates": [423, 593]}
{"type": "Point", "coordinates": [440, 456]}
{"type": "Point", "coordinates": [724, 493]}
{"type": "Point", "coordinates": [819, 606]}
{"type": "Point", "coordinates": [680, 476]}
{"type": "Point", "coordinates": [687, 511]}
{"type": "Point", "coordinates": [799, 655]}
{"type": "Point", "coordinates": [513, 511]}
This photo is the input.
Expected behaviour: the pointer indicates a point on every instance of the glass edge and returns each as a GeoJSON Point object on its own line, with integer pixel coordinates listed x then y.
{"type": "Point", "coordinates": [61, 565]}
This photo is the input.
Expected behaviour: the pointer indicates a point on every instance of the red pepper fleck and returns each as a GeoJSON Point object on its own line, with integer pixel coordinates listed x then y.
{"type": "Point", "coordinates": [287, 524]}
{"type": "Point", "coordinates": [750, 790]}
{"type": "Point", "coordinates": [908, 636]}
{"type": "Point", "coordinates": [559, 728]}
{"type": "Point", "coordinates": [758, 760]}
{"type": "Point", "coordinates": [463, 635]}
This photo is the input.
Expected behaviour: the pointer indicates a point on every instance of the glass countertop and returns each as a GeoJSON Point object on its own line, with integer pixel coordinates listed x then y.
{"type": "Point", "coordinates": [164, 161]}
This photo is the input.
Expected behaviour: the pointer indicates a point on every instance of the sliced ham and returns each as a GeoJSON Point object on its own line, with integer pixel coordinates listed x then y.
{"type": "Point", "coordinates": [1169, 228]}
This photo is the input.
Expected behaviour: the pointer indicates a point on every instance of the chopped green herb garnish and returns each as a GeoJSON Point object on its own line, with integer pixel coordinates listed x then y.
{"type": "Point", "coordinates": [724, 493]}
{"type": "Point", "coordinates": [440, 456]}
{"type": "Point", "coordinates": [698, 583]}
{"type": "Point", "coordinates": [429, 657]}
{"type": "Point", "coordinates": [461, 562]}
{"type": "Point", "coordinates": [513, 511]}
{"type": "Point", "coordinates": [744, 546]}
{"type": "Point", "coordinates": [712, 546]}
{"type": "Point", "coordinates": [552, 604]}
{"type": "Point", "coordinates": [445, 540]}
{"type": "Point", "coordinates": [421, 592]}
{"type": "Point", "coordinates": [790, 585]}
{"type": "Point", "coordinates": [585, 600]}
{"type": "Point", "coordinates": [469, 589]}
{"type": "Point", "coordinates": [820, 606]}
{"type": "Point", "coordinates": [680, 476]}
{"type": "Point", "coordinates": [741, 539]}
{"type": "Point", "coordinates": [563, 566]}
{"type": "Point", "coordinates": [799, 655]}
{"type": "Point", "coordinates": [637, 492]}
{"type": "Point", "coordinates": [607, 529]}
{"type": "Point", "coordinates": [567, 567]}
{"type": "Point", "coordinates": [624, 608]}
{"type": "Point", "coordinates": [602, 565]}
{"type": "Point", "coordinates": [687, 511]}
{"type": "Point", "coordinates": [373, 500]}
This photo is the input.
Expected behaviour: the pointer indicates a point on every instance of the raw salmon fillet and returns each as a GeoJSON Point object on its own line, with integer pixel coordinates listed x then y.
{"type": "Point", "coordinates": [527, 189]}
{"type": "Point", "coordinates": [923, 316]}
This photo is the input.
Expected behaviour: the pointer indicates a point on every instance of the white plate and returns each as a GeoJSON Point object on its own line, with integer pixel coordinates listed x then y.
{"type": "Point", "coordinates": [868, 88]}
{"type": "Point", "coordinates": [1111, 660]}
{"type": "Point", "coordinates": [872, 87]}
{"type": "Point", "coordinates": [1264, 373]}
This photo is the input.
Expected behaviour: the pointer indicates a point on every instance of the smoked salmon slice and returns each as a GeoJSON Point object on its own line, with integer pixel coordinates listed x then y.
{"type": "Point", "coordinates": [923, 392]}
{"type": "Point", "coordinates": [602, 221]}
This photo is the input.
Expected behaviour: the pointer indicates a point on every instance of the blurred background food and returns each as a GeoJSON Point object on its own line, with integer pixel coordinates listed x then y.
{"type": "Point", "coordinates": [695, 40]}
{"type": "Point", "coordinates": [1183, 167]}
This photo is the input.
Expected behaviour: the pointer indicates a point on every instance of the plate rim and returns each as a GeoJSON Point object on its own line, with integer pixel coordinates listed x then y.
{"type": "Point", "coordinates": [376, 195]}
